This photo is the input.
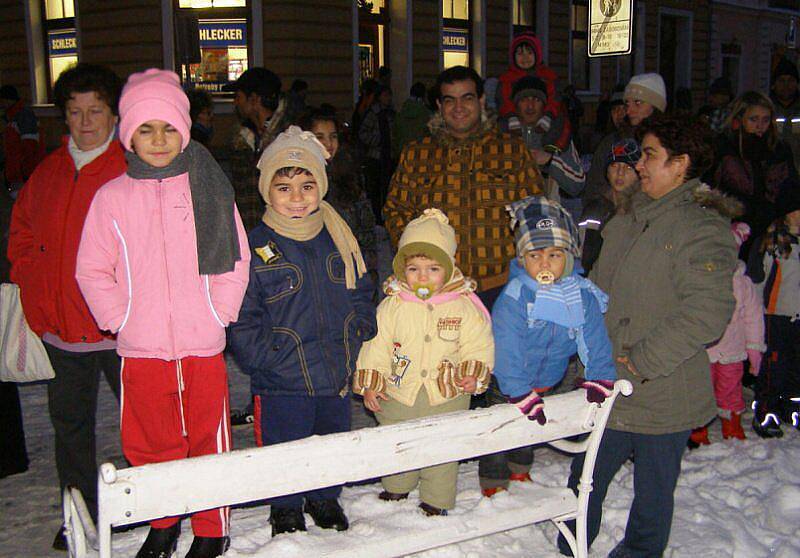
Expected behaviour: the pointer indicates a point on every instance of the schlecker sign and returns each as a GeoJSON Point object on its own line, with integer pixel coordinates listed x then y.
{"type": "Point", "coordinates": [610, 27]}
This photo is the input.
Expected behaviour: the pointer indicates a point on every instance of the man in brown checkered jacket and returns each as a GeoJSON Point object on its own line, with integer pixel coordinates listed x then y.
{"type": "Point", "coordinates": [471, 171]}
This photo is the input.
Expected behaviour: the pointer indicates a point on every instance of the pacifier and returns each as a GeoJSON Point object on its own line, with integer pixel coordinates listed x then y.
{"type": "Point", "coordinates": [545, 277]}
{"type": "Point", "coordinates": [423, 292]}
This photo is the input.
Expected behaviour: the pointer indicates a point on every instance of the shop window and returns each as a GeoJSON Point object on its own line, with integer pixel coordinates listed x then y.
{"type": "Point", "coordinates": [373, 37]}
{"type": "Point", "coordinates": [523, 16]}
{"type": "Point", "coordinates": [61, 39]}
{"type": "Point", "coordinates": [580, 69]}
{"type": "Point", "coordinates": [456, 33]}
{"type": "Point", "coordinates": [213, 42]}
{"type": "Point", "coordinates": [731, 57]}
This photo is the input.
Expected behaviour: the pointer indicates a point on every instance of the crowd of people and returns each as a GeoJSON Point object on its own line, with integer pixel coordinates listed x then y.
{"type": "Point", "coordinates": [666, 255]}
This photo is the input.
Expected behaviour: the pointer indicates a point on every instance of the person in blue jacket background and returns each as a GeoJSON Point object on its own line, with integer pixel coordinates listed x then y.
{"type": "Point", "coordinates": [545, 314]}
{"type": "Point", "coordinates": [306, 311]}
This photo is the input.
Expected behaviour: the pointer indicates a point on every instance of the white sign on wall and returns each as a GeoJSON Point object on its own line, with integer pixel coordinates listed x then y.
{"type": "Point", "coordinates": [610, 27]}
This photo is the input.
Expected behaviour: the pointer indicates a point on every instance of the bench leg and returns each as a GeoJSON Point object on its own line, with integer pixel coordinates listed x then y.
{"type": "Point", "coordinates": [570, 538]}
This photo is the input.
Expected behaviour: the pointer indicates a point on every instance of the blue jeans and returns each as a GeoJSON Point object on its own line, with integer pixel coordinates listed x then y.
{"type": "Point", "coordinates": [287, 418]}
{"type": "Point", "coordinates": [657, 465]}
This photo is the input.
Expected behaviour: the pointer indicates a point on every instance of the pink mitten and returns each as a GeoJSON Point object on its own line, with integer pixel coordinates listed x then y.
{"type": "Point", "coordinates": [754, 357]}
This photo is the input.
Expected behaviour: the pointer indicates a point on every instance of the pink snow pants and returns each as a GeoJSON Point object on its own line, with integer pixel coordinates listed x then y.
{"type": "Point", "coordinates": [727, 380]}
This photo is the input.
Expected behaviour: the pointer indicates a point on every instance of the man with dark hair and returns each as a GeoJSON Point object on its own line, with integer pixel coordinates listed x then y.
{"type": "Point", "coordinates": [471, 171]}
{"type": "Point", "coordinates": [263, 111]}
{"type": "Point", "coordinates": [22, 145]}
{"type": "Point", "coordinates": [45, 231]}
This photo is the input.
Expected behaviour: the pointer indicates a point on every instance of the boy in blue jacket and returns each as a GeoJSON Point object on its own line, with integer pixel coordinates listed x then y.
{"type": "Point", "coordinates": [545, 314]}
{"type": "Point", "coordinates": [306, 311]}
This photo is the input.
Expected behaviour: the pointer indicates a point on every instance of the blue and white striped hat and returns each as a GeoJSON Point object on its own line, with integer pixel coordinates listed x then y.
{"type": "Point", "coordinates": [540, 223]}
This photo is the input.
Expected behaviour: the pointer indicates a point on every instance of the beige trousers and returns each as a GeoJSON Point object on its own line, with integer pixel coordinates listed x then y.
{"type": "Point", "coordinates": [437, 484]}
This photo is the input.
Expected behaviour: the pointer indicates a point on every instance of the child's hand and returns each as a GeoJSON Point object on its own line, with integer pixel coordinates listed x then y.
{"type": "Point", "coordinates": [371, 400]}
{"type": "Point", "coordinates": [755, 361]}
{"type": "Point", "coordinates": [468, 384]}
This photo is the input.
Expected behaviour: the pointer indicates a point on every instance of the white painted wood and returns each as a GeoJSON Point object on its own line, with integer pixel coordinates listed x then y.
{"type": "Point", "coordinates": [139, 494]}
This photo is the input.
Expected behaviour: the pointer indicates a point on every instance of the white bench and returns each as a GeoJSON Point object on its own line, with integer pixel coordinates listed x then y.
{"type": "Point", "coordinates": [140, 494]}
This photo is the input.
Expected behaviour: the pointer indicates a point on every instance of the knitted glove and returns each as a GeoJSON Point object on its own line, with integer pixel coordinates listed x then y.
{"type": "Point", "coordinates": [544, 123]}
{"type": "Point", "coordinates": [754, 357]}
{"type": "Point", "coordinates": [596, 390]}
{"type": "Point", "coordinates": [531, 405]}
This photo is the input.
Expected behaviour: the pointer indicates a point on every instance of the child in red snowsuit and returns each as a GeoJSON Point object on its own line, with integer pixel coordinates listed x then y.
{"type": "Point", "coordinates": [525, 59]}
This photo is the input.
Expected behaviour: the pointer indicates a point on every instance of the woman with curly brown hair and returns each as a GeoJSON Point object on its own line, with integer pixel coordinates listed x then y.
{"type": "Point", "coordinates": [667, 266]}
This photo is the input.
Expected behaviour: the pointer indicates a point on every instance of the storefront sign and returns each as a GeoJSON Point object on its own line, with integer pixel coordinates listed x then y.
{"type": "Point", "coordinates": [62, 43]}
{"type": "Point", "coordinates": [455, 40]}
{"type": "Point", "coordinates": [610, 27]}
{"type": "Point", "coordinates": [223, 33]}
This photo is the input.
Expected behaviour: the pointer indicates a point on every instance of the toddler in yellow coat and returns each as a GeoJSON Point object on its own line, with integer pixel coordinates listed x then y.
{"type": "Point", "coordinates": [433, 349]}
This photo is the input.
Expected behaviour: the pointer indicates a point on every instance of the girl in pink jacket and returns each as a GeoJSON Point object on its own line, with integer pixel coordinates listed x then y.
{"type": "Point", "coordinates": [164, 263]}
{"type": "Point", "coordinates": [743, 340]}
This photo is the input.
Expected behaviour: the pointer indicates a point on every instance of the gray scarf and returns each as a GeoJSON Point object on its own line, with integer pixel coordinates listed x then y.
{"type": "Point", "coordinates": [212, 200]}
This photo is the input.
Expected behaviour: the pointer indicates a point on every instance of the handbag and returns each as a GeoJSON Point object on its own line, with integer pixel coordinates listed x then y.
{"type": "Point", "coordinates": [22, 354]}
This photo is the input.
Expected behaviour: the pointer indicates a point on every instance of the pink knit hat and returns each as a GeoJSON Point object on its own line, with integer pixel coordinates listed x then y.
{"type": "Point", "coordinates": [153, 95]}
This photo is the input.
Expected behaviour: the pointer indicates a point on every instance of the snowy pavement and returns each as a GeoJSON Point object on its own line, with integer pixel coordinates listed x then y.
{"type": "Point", "coordinates": [737, 499]}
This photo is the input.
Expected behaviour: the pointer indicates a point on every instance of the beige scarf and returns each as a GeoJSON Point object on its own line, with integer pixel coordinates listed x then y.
{"type": "Point", "coordinates": [310, 226]}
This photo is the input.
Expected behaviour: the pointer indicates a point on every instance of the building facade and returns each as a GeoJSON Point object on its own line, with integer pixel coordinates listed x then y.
{"type": "Point", "coordinates": [333, 44]}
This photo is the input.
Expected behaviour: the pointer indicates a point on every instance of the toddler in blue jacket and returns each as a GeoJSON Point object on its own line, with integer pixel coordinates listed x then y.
{"type": "Point", "coordinates": [545, 314]}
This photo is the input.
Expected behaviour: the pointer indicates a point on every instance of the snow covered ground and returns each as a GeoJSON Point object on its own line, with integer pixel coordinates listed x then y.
{"type": "Point", "coordinates": [738, 499]}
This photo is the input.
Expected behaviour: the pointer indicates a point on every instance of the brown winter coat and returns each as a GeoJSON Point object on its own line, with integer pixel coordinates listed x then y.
{"type": "Point", "coordinates": [667, 267]}
{"type": "Point", "coordinates": [471, 181]}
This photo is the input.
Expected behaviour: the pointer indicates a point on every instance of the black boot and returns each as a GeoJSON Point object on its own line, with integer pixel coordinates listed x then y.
{"type": "Point", "coordinates": [60, 542]}
{"type": "Point", "coordinates": [160, 543]}
{"type": "Point", "coordinates": [431, 511]}
{"type": "Point", "coordinates": [327, 514]}
{"type": "Point", "coordinates": [790, 412]}
{"type": "Point", "coordinates": [387, 496]}
{"type": "Point", "coordinates": [766, 423]}
{"type": "Point", "coordinates": [208, 547]}
{"type": "Point", "coordinates": [286, 520]}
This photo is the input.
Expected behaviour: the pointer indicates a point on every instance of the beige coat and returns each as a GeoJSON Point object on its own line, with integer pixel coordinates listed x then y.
{"type": "Point", "coordinates": [417, 341]}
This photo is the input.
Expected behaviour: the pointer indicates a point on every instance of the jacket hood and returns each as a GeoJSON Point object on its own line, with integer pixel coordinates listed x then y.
{"type": "Point", "coordinates": [525, 38]}
{"type": "Point", "coordinates": [711, 198]}
{"type": "Point", "coordinates": [691, 191]}
{"type": "Point", "coordinates": [438, 128]}
{"type": "Point", "coordinates": [457, 284]}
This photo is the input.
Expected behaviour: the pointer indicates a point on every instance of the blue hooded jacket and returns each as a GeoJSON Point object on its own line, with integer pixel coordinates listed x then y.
{"type": "Point", "coordinates": [534, 353]}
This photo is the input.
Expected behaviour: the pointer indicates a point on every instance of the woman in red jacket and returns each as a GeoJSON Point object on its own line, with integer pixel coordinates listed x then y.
{"type": "Point", "coordinates": [46, 225]}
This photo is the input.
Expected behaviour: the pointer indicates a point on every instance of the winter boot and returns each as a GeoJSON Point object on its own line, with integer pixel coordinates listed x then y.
{"type": "Point", "coordinates": [489, 492]}
{"type": "Point", "coordinates": [286, 520]}
{"type": "Point", "coordinates": [766, 423]}
{"type": "Point", "coordinates": [160, 543]}
{"type": "Point", "coordinates": [520, 477]}
{"type": "Point", "coordinates": [208, 547]}
{"type": "Point", "coordinates": [327, 514]}
{"type": "Point", "coordinates": [392, 496]}
{"type": "Point", "coordinates": [699, 437]}
{"type": "Point", "coordinates": [732, 427]}
{"type": "Point", "coordinates": [791, 412]}
{"type": "Point", "coordinates": [431, 511]}
{"type": "Point", "coordinates": [60, 542]}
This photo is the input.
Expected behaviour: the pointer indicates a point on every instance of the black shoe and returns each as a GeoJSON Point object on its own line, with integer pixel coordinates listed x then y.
{"type": "Point", "coordinates": [60, 542]}
{"type": "Point", "coordinates": [208, 547]}
{"type": "Point", "coordinates": [790, 413]}
{"type": "Point", "coordinates": [239, 418]}
{"type": "Point", "coordinates": [327, 514]}
{"type": "Point", "coordinates": [160, 543]}
{"type": "Point", "coordinates": [766, 423]}
{"type": "Point", "coordinates": [286, 520]}
{"type": "Point", "coordinates": [431, 511]}
{"type": "Point", "coordinates": [392, 496]}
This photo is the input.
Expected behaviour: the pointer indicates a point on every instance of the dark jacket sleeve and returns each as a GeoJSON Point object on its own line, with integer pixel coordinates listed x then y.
{"type": "Point", "coordinates": [365, 321]}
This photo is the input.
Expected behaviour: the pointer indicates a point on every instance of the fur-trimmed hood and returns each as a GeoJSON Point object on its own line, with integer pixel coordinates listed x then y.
{"type": "Point", "coordinates": [438, 128]}
{"type": "Point", "coordinates": [712, 198]}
